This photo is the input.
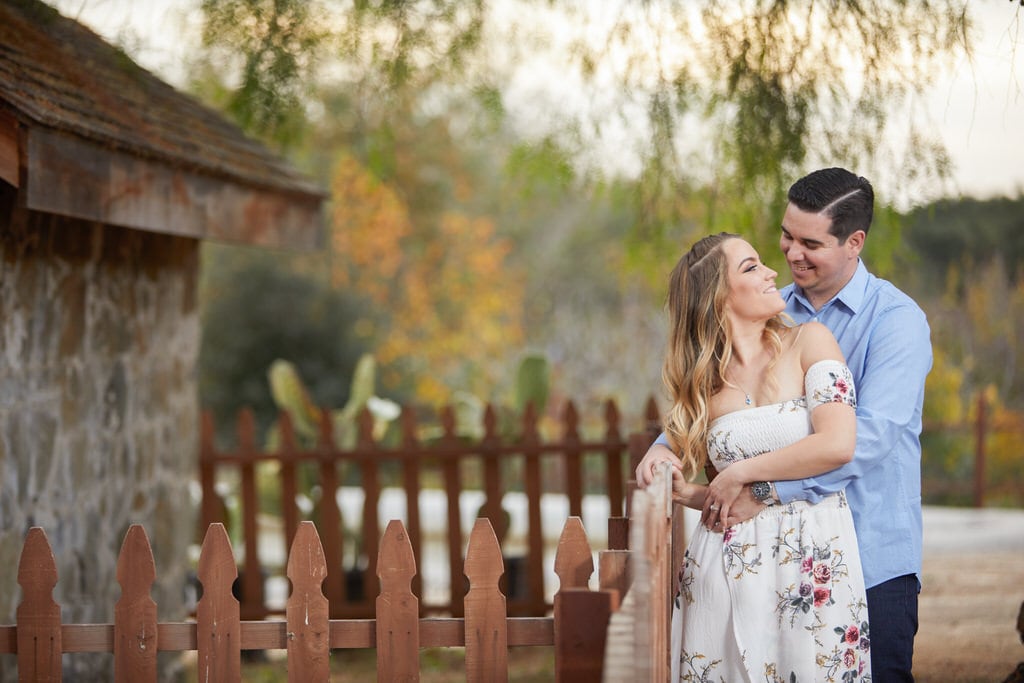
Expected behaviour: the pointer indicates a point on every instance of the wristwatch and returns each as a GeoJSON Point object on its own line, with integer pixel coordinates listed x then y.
{"type": "Point", "coordinates": [764, 492]}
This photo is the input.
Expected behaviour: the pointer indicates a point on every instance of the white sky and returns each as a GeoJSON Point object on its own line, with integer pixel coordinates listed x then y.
{"type": "Point", "coordinates": [977, 107]}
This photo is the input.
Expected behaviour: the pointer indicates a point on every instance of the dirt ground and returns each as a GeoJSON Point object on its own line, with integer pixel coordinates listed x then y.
{"type": "Point", "coordinates": [968, 615]}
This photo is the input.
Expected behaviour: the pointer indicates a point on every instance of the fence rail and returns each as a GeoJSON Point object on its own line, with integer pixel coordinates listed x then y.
{"type": "Point", "coordinates": [218, 635]}
{"type": "Point", "coordinates": [325, 462]}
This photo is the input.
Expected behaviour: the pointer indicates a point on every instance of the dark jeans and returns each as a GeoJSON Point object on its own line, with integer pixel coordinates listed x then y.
{"type": "Point", "coordinates": [892, 613]}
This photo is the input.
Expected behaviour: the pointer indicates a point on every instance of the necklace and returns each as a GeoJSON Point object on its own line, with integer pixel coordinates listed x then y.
{"type": "Point", "coordinates": [747, 394]}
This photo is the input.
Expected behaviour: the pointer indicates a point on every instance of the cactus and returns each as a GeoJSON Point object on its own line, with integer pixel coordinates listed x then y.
{"type": "Point", "coordinates": [533, 380]}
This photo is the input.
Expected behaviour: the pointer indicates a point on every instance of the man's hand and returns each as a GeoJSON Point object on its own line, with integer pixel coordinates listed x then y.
{"type": "Point", "coordinates": [743, 508]}
{"type": "Point", "coordinates": [654, 456]}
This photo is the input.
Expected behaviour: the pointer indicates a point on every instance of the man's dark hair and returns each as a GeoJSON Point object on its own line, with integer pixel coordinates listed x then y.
{"type": "Point", "coordinates": [845, 197]}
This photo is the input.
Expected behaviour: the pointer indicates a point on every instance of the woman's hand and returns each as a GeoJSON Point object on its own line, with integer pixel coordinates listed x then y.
{"type": "Point", "coordinates": [689, 494]}
{"type": "Point", "coordinates": [722, 493]}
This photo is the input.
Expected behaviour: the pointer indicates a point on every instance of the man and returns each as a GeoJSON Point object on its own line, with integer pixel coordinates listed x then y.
{"type": "Point", "coordinates": [886, 340]}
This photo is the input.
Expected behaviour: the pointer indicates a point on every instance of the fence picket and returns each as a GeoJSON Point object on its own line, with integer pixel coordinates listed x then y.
{"type": "Point", "coordinates": [252, 574]}
{"type": "Point", "coordinates": [535, 602]}
{"type": "Point", "coordinates": [486, 628]}
{"type": "Point", "coordinates": [218, 635]}
{"type": "Point", "coordinates": [411, 483]}
{"type": "Point", "coordinates": [368, 468]}
{"type": "Point", "coordinates": [218, 632]}
{"type": "Point", "coordinates": [573, 460]}
{"type": "Point", "coordinates": [540, 461]}
{"type": "Point", "coordinates": [330, 515]}
{"type": "Point", "coordinates": [614, 447]}
{"type": "Point", "coordinates": [452, 489]}
{"type": "Point", "coordinates": [581, 622]}
{"type": "Point", "coordinates": [38, 616]}
{"type": "Point", "coordinates": [289, 486]}
{"type": "Point", "coordinates": [398, 625]}
{"type": "Point", "coordinates": [307, 611]}
{"type": "Point", "coordinates": [135, 622]}
{"type": "Point", "coordinates": [574, 563]}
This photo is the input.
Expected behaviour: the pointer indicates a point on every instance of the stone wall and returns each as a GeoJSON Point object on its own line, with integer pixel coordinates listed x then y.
{"type": "Point", "coordinates": [99, 336]}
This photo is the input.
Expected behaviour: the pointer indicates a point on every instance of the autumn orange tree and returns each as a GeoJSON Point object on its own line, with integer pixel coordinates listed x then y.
{"type": "Point", "coordinates": [445, 302]}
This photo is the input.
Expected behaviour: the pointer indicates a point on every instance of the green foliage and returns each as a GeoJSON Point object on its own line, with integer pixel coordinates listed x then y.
{"type": "Point", "coordinates": [274, 46]}
{"type": "Point", "coordinates": [259, 307]}
{"type": "Point", "coordinates": [965, 231]}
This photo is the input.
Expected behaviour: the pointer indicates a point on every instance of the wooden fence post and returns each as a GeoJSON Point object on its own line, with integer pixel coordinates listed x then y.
{"type": "Point", "coordinates": [573, 460]}
{"type": "Point", "coordinates": [218, 631]}
{"type": "Point", "coordinates": [38, 616]}
{"type": "Point", "coordinates": [330, 515]}
{"type": "Point", "coordinates": [308, 631]}
{"type": "Point", "coordinates": [398, 626]}
{"type": "Point", "coordinates": [574, 564]}
{"type": "Point", "coordinates": [135, 630]}
{"type": "Point", "coordinates": [486, 627]}
{"type": "Point", "coordinates": [979, 452]}
{"type": "Point", "coordinates": [252, 606]}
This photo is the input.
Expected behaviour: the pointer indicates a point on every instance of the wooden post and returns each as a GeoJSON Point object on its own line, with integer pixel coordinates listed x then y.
{"type": "Point", "coordinates": [252, 606]}
{"type": "Point", "coordinates": [535, 601]}
{"type": "Point", "coordinates": [308, 621]}
{"type": "Point", "coordinates": [398, 634]}
{"type": "Point", "coordinates": [371, 490]}
{"type": "Point", "coordinates": [411, 483]}
{"type": "Point", "coordinates": [289, 485]}
{"type": "Point", "coordinates": [486, 627]}
{"type": "Point", "coordinates": [452, 491]}
{"type": "Point", "coordinates": [614, 448]}
{"type": "Point", "coordinates": [979, 452]}
{"type": "Point", "coordinates": [135, 630]}
{"type": "Point", "coordinates": [38, 616]}
{"type": "Point", "coordinates": [330, 515]}
{"type": "Point", "coordinates": [218, 631]}
{"type": "Point", "coordinates": [211, 505]}
{"type": "Point", "coordinates": [581, 623]}
{"type": "Point", "coordinates": [573, 460]}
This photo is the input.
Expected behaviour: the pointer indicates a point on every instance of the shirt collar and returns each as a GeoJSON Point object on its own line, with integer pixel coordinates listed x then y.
{"type": "Point", "coordinates": [851, 295]}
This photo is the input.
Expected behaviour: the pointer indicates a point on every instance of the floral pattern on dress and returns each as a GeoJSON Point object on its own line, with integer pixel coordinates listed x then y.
{"type": "Point", "coordinates": [821, 569]}
{"type": "Point", "coordinates": [839, 388]}
{"type": "Point", "coordinates": [793, 570]}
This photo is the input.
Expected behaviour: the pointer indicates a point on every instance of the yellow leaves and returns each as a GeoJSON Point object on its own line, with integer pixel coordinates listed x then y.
{"type": "Point", "coordinates": [943, 389]}
{"type": "Point", "coordinates": [449, 303]}
{"type": "Point", "coordinates": [370, 224]}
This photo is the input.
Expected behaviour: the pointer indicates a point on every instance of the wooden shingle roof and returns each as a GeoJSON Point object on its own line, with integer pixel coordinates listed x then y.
{"type": "Point", "coordinates": [98, 137]}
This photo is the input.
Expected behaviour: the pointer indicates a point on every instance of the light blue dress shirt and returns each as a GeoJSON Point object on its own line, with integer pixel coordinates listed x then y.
{"type": "Point", "coordinates": [887, 343]}
{"type": "Point", "coordinates": [886, 340]}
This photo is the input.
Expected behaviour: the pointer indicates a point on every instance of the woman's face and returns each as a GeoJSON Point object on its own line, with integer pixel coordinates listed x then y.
{"type": "Point", "coordinates": [752, 291]}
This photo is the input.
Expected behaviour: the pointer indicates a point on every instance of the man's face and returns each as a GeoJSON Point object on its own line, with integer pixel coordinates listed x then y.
{"type": "Point", "coordinates": [819, 264]}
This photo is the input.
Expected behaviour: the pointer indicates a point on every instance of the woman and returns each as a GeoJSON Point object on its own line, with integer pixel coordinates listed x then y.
{"type": "Point", "coordinates": [779, 597]}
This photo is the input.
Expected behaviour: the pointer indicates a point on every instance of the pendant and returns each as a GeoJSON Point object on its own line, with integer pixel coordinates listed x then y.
{"type": "Point", "coordinates": [748, 398]}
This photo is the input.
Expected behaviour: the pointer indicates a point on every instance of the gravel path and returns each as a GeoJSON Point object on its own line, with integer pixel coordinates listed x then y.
{"type": "Point", "coordinates": [973, 590]}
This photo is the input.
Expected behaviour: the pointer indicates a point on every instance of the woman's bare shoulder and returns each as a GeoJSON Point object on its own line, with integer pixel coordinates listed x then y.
{"type": "Point", "coordinates": [815, 342]}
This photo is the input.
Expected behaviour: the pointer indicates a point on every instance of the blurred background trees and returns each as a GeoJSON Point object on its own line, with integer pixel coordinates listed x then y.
{"type": "Point", "coordinates": [517, 177]}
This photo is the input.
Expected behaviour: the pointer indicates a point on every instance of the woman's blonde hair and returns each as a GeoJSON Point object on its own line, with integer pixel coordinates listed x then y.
{"type": "Point", "coordinates": [700, 346]}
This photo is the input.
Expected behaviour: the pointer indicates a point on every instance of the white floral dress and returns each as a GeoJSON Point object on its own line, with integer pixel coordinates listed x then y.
{"type": "Point", "coordinates": [779, 598]}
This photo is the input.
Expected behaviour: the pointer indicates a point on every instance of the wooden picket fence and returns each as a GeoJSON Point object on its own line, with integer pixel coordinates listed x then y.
{"type": "Point", "coordinates": [218, 634]}
{"type": "Point", "coordinates": [412, 458]}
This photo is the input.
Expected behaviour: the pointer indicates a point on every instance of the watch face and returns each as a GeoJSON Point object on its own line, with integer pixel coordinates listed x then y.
{"type": "Point", "coordinates": [761, 490]}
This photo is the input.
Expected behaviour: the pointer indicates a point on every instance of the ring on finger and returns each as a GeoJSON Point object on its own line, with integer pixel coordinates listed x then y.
{"type": "Point", "coordinates": [713, 508]}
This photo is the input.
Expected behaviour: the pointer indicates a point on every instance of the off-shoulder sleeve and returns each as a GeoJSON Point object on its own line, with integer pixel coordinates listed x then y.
{"type": "Point", "coordinates": [829, 381]}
